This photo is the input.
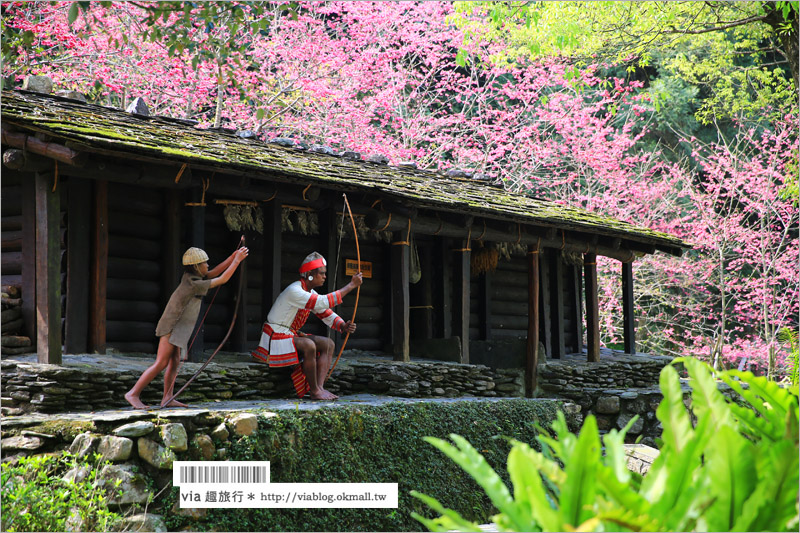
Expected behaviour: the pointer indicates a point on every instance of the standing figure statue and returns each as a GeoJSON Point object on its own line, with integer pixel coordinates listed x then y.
{"type": "Point", "coordinates": [284, 345]}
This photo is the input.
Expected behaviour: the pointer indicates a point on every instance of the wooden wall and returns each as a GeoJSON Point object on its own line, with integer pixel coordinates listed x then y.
{"type": "Point", "coordinates": [134, 284]}
{"type": "Point", "coordinates": [12, 228]}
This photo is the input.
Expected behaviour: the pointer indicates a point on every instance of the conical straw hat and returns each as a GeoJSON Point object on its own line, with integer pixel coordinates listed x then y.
{"type": "Point", "coordinates": [194, 256]}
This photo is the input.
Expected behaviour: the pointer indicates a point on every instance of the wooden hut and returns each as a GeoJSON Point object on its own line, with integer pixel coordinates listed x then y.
{"type": "Point", "coordinates": [98, 205]}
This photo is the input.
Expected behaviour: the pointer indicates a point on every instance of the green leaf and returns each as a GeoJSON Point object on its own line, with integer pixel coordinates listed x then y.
{"type": "Point", "coordinates": [677, 427]}
{"type": "Point", "coordinates": [730, 463]}
{"type": "Point", "coordinates": [476, 466]}
{"type": "Point", "coordinates": [72, 15]}
{"type": "Point", "coordinates": [529, 491]}
{"type": "Point", "coordinates": [449, 521]}
{"type": "Point", "coordinates": [772, 504]}
{"type": "Point", "coordinates": [706, 398]}
{"type": "Point", "coordinates": [577, 494]}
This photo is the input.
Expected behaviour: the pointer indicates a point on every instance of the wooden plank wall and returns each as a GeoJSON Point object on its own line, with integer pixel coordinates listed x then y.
{"type": "Point", "coordinates": [509, 298]}
{"type": "Point", "coordinates": [134, 286]}
{"type": "Point", "coordinates": [373, 309]}
{"type": "Point", "coordinates": [220, 242]}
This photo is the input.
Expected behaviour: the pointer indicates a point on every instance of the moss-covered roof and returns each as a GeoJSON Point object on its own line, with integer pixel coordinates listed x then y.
{"type": "Point", "coordinates": [108, 129]}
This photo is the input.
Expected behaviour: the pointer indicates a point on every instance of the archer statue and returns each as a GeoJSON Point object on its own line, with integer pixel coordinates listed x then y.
{"type": "Point", "coordinates": [179, 318]}
{"type": "Point", "coordinates": [284, 345]}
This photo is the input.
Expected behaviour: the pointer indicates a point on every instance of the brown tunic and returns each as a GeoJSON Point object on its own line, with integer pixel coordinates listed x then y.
{"type": "Point", "coordinates": [180, 316]}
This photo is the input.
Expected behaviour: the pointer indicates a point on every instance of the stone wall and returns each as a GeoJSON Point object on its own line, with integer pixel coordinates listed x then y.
{"type": "Point", "coordinates": [32, 387]}
{"type": "Point", "coordinates": [573, 373]}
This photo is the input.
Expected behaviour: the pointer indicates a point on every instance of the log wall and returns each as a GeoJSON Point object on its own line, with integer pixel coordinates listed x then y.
{"type": "Point", "coordinates": [135, 259]}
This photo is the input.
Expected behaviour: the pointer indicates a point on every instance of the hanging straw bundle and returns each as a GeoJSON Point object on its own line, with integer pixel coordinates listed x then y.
{"type": "Point", "coordinates": [484, 259]}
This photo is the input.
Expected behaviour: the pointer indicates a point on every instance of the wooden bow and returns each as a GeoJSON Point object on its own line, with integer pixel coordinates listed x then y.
{"type": "Point", "coordinates": [358, 289]}
{"type": "Point", "coordinates": [224, 340]}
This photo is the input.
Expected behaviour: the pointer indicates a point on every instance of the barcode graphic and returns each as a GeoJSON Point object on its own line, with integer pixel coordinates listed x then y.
{"type": "Point", "coordinates": [223, 474]}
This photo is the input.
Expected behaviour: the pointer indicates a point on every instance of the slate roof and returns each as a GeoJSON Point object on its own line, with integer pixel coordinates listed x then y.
{"type": "Point", "coordinates": [106, 129]}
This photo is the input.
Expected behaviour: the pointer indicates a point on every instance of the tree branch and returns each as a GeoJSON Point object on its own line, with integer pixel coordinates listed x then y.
{"type": "Point", "coordinates": [734, 24]}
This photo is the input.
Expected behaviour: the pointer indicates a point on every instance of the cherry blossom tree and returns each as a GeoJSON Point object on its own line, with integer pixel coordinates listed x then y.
{"type": "Point", "coordinates": [397, 79]}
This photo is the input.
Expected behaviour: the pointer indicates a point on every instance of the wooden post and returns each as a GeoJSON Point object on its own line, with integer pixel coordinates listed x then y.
{"type": "Point", "coordinates": [400, 265]}
{"type": "Point", "coordinates": [557, 310]}
{"type": "Point", "coordinates": [271, 258]}
{"type": "Point", "coordinates": [48, 270]}
{"type": "Point", "coordinates": [485, 322]}
{"type": "Point", "coordinates": [76, 329]}
{"type": "Point", "coordinates": [576, 316]}
{"type": "Point", "coordinates": [29, 255]}
{"type": "Point", "coordinates": [532, 347]}
{"type": "Point", "coordinates": [198, 239]}
{"type": "Point", "coordinates": [444, 293]}
{"type": "Point", "coordinates": [628, 318]}
{"type": "Point", "coordinates": [99, 271]}
{"type": "Point", "coordinates": [592, 307]}
{"type": "Point", "coordinates": [461, 290]}
{"type": "Point", "coordinates": [546, 323]}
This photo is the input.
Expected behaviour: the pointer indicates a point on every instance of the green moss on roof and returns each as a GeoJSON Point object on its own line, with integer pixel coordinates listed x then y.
{"type": "Point", "coordinates": [105, 128]}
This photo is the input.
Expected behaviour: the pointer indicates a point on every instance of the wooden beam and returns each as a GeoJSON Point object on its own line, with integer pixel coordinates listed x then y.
{"type": "Point", "coordinates": [48, 270]}
{"type": "Point", "coordinates": [79, 253]}
{"type": "Point", "coordinates": [28, 228]}
{"type": "Point", "coordinates": [400, 268]}
{"type": "Point", "coordinates": [532, 346]}
{"type": "Point", "coordinates": [461, 291]}
{"type": "Point", "coordinates": [197, 233]}
{"type": "Point", "coordinates": [592, 307]}
{"type": "Point", "coordinates": [17, 159]}
{"type": "Point", "coordinates": [557, 311]}
{"type": "Point", "coordinates": [99, 271]}
{"type": "Point", "coordinates": [495, 231]}
{"type": "Point", "coordinates": [628, 318]}
{"type": "Point", "coordinates": [55, 151]}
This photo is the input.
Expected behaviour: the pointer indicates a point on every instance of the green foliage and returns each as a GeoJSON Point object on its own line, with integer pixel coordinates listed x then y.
{"type": "Point", "coordinates": [789, 336]}
{"type": "Point", "coordinates": [732, 52]}
{"type": "Point", "coordinates": [36, 497]}
{"type": "Point", "coordinates": [735, 469]}
{"type": "Point", "coordinates": [377, 445]}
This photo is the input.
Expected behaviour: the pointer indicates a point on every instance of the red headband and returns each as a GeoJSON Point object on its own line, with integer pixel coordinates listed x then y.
{"type": "Point", "coordinates": [311, 265]}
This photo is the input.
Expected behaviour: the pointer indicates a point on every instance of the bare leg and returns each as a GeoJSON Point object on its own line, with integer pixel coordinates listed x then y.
{"type": "Point", "coordinates": [169, 379]}
{"type": "Point", "coordinates": [308, 349]}
{"type": "Point", "coordinates": [325, 347]}
{"type": "Point", "coordinates": [165, 350]}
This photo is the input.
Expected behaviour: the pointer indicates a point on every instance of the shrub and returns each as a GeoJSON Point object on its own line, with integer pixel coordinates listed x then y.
{"type": "Point", "coordinates": [734, 469]}
{"type": "Point", "coordinates": [37, 498]}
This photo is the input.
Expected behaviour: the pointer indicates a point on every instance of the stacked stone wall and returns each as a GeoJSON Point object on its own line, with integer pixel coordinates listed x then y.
{"type": "Point", "coordinates": [32, 387]}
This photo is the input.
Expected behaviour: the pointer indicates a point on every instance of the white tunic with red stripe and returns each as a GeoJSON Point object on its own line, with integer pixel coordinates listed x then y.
{"type": "Point", "coordinates": [288, 314]}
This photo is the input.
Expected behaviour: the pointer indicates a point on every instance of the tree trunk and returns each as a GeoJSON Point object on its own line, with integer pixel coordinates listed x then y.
{"type": "Point", "coordinates": [788, 39]}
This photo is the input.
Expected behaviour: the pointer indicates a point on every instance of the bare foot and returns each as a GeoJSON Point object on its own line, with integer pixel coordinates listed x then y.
{"type": "Point", "coordinates": [135, 401]}
{"type": "Point", "coordinates": [322, 394]}
{"type": "Point", "coordinates": [335, 397]}
{"type": "Point", "coordinates": [175, 403]}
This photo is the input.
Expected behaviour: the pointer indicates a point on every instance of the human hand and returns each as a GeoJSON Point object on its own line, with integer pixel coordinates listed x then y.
{"type": "Point", "coordinates": [357, 279]}
{"type": "Point", "coordinates": [350, 326]}
{"type": "Point", "coordinates": [241, 254]}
